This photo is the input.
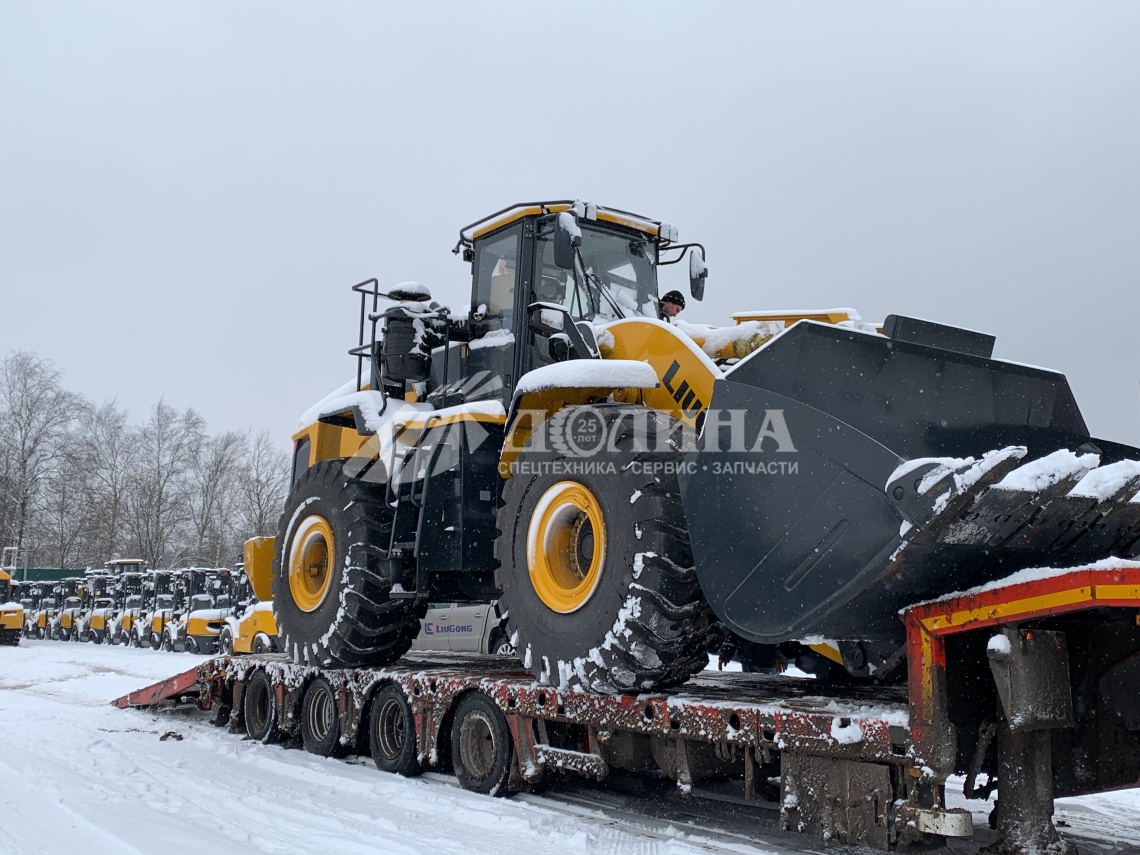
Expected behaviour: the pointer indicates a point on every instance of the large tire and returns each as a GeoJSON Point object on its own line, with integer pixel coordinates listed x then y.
{"type": "Point", "coordinates": [392, 732]}
{"type": "Point", "coordinates": [631, 618]}
{"type": "Point", "coordinates": [259, 708]}
{"type": "Point", "coordinates": [332, 601]}
{"type": "Point", "coordinates": [482, 751]}
{"type": "Point", "coordinates": [320, 719]}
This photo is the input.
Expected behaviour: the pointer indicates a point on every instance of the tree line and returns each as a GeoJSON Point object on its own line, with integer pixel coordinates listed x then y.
{"type": "Point", "coordinates": [80, 484]}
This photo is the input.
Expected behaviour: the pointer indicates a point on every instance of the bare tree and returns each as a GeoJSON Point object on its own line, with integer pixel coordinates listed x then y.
{"type": "Point", "coordinates": [213, 476]}
{"type": "Point", "coordinates": [263, 486]}
{"type": "Point", "coordinates": [157, 501]}
{"type": "Point", "coordinates": [79, 484]}
{"type": "Point", "coordinates": [35, 413]}
{"type": "Point", "coordinates": [113, 445]}
{"type": "Point", "coordinates": [63, 526]}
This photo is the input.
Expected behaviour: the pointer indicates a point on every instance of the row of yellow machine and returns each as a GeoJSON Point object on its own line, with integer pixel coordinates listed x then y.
{"type": "Point", "coordinates": [192, 609]}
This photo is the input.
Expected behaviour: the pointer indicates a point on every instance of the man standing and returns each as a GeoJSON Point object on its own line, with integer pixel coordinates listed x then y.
{"type": "Point", "coordinates": [672, 302]}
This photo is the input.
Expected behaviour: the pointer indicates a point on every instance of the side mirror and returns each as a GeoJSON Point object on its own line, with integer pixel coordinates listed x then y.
{"type": "Point", "coordinates": [559, 347]}
{"type": "Point", "coordinates": [698, 273]}
{"type": "Point", "coordinates": [567, 236]}
{"type": "Point", "coordinates": [549, 319]}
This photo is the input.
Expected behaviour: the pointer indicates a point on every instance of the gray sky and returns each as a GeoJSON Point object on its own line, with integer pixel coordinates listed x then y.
{"type": "Point", "coordinates": [188, 190]}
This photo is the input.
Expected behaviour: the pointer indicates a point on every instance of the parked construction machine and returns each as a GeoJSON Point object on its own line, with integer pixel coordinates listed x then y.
{"type": "Point", "coordinates": [636, 491]}
{"type": "Point", "coordinates": [933, 531]}
{"type": "Point", "coordinates": [11, 611]}
{"type": "Point", "coordinates": [251, 627]}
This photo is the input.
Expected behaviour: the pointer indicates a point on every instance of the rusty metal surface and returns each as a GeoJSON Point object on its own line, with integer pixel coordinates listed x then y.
{"type": "Point", "coordinates": [164, 690]}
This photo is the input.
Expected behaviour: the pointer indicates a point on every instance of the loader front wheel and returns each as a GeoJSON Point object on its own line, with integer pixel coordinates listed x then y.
{"type": "Point", "coordinates": [331, 582]}
{"type": "Point", "coordinates": [595, 565]}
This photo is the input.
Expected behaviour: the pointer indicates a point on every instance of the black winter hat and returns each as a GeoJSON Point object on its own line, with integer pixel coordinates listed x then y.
{"type": "Point", "coordinates": [675, 297]}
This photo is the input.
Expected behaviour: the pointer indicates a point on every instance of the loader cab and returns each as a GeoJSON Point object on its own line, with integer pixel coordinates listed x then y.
{"type": "Point", "coordinates": [611, 274]}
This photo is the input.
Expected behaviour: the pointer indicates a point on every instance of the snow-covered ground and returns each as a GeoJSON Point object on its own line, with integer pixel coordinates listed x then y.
{"type": "Point", "coordinates": [77, 775]}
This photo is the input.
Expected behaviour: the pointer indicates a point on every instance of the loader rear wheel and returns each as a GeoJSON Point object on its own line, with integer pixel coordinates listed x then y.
{"type": "Point", "coordinates": [481, 748]}
{"type": "Point", "coordinates": [331, 584]}
{"type": "Point", "coordinates": [595, 567]}
{"type": "Point", "coordinates": [320, 719]}
{"type": "Point", "coordinates": [392, 733]}
{"type": "Point", "coordinates": [226, 641]}
{"type": "Point", "coordinates": [259, 707]}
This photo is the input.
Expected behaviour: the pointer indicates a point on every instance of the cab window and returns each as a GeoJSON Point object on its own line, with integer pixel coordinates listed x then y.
{"type": "Point", "coordinates": [496, 269]}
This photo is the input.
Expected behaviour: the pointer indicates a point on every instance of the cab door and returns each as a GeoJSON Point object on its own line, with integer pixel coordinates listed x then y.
{"type": "Point", "coordinates": [434, 626]}
{"type": "Point", "coordinates": [467, 623]}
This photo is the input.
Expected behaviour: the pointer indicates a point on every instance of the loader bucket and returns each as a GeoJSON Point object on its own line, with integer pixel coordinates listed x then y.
{"type": "Point", "coordinates": [841, 476]}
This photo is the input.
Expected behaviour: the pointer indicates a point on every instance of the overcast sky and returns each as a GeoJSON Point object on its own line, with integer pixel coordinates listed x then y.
{"type": "Point", "coordinates": [187, 191]}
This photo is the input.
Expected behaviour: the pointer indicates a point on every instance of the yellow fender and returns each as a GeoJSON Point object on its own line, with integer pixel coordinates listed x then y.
{"type": "Point", "coordinates": [685, 377]}
{"type": "Point", "coordinates": [258, 553]}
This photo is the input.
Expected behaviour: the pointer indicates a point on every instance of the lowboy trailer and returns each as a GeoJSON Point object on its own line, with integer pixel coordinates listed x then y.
{"type": "Point", "coordinates": [1032, 682]}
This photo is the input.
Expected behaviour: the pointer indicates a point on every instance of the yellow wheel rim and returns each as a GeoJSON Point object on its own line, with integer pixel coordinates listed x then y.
{"type": "Point", "coordinates": [566, 546]}
{"type": "Point", "coordinates": [310, 562]}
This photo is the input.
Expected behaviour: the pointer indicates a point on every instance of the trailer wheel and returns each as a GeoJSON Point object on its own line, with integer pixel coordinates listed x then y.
{"type": "Point", "coordinates": [320, 719]}
{"type": "Point", "coordinates": [392, 733]}
{"type": "Point", "coordinates": [331, 579]}
{"type": "Point", "coordinates": [259, 707]}
{"type": "Point", "coordinates": [226, 641]}
{"type": "Point", "coordinates": [596, 570]}
{"type": "Point", "coordinates": [481, 747]}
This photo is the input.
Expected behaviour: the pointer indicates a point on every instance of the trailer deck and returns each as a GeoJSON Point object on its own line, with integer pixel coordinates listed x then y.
{"type": "Point", "coordinates": [855, 764]}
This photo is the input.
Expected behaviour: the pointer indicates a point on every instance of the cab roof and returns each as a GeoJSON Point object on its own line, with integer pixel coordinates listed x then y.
{"type": "Point", "coordinates": [653, 228]}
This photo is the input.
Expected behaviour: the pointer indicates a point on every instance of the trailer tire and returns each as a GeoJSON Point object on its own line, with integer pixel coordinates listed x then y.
{"type": "Point", "coordinates": [612, 603]}
{"type": "Point", "coordinates": [331, 579]}
{"type": "Point", "coordinates": [482, 750]}
{"type": "Point", "coordinates": [320, 719]}
{"type": "Point", "coordinates": [259, 708]}
{"type": "Point", "coordinates": [392, 733]}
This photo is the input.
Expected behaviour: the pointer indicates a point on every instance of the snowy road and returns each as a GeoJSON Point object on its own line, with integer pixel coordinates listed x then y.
{"type": "Point", "coordinates": [81, 776]}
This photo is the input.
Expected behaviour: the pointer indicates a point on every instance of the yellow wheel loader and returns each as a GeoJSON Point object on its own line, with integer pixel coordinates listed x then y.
{"type": "Point", "coordinates": [11, 612]}
{"type": "Point", "coordinates": [637, 490]}
{"type": "Point", "coordinates": [252, 628]}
